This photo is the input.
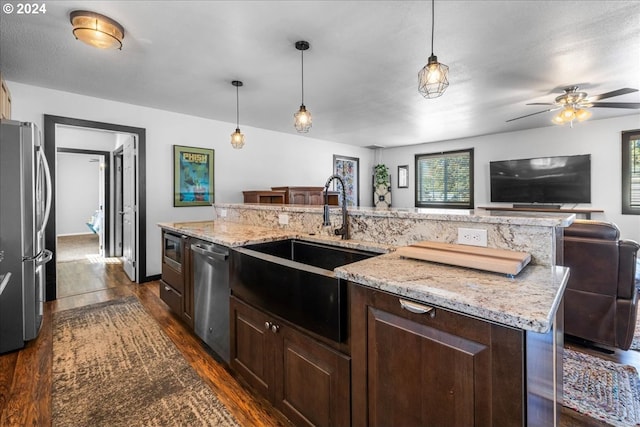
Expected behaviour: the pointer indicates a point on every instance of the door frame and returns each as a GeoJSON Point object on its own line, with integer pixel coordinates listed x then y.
{"type": "Point", "coordinates": [50, 122]}
{"type": "Point", "coordinates": [106, 232]}
{"type": "Point", "coordinates": [117, 200]}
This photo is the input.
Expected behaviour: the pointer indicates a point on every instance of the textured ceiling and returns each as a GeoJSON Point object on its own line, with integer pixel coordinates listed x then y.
{"type": "Point", "coordinates": [360, 72]}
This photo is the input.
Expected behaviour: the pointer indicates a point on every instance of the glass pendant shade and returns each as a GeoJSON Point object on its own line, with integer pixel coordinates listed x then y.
{"type": "Point", "coordinates": [97, 30]}
{"type": "Point", "coordinates": [433, 78]}
{"type": "Point", "coordinates": [237, 139]}
{"type": "Point", "coordinates": [302, 117]}
{"type": "Point", "coordinates": [302, 120]}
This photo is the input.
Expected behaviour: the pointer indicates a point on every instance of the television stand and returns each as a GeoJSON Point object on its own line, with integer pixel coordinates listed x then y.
{"type": "Point", "coordinates": [535, 206]}
{"type": "Point", "coordinates": [586, 212]}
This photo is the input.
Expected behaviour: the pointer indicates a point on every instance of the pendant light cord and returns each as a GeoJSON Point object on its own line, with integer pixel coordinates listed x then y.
{"type": "Point", "coordinates": [432, 23]}
{"type": "Point", "coordinates": [237, 108]}
{"type": "Point", "coordinates": [302, 72]}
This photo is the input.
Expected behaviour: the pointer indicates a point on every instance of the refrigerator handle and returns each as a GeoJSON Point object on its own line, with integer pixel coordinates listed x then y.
{"type": "Point", "coordinates": [47, 177]}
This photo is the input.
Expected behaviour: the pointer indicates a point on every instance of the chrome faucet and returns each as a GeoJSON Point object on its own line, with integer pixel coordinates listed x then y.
{"type": "Point", "coordinates": [344, 230]}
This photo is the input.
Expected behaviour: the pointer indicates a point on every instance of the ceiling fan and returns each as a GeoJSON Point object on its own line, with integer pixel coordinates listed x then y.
{"type": "Point", "coordinates": [574, 104]}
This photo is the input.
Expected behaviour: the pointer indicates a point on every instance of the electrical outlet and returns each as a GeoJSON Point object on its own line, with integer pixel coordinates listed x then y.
{"type": "Point", "coordinates": [223, 213]}
{"type": "Point", "coordinates": [283, 219]}
{"type": "Point", "coordinates": [472, 236]}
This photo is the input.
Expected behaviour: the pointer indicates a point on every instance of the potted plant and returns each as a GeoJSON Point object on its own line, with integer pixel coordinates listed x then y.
{"type": "Point", "coordinates": [381, 186]}
{"type": "Point", "coordinates": [381, 174]}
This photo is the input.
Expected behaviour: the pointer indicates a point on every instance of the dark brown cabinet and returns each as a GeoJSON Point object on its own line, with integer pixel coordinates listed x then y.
{"type": "Point", "coordinates": [436, 368]}
{"type": "Point", "coordinates": [176, 285]}
{"type": "Point", "coordinates": [306, 380]}
{"type": "Point", "coordinates": [263, 196]}
{"type": "Point", "coordinates": [307, 195]}
{"type": "Point", "coordinates": [302, 195]}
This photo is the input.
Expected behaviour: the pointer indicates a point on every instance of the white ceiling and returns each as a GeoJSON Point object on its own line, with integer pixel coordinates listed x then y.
{"type": "Point", "coordinates": [360, 72]}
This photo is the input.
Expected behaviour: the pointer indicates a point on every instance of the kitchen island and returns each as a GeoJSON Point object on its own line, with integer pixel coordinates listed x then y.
{"type": "Point", "coordinates": [486, 351]}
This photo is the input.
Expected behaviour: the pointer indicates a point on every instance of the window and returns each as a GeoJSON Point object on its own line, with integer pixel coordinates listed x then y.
{"type": "Point", "coordinates": [631, 172]}
{"type": "Point", "coordinates": [445, 180]}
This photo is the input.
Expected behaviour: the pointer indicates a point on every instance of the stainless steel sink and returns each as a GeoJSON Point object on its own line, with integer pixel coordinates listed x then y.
{"type": "Point", "coordinates": [294, 279]}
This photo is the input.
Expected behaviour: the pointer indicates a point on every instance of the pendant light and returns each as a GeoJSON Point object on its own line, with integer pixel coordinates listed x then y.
{"type": "Point", "coordinates": [302, 116]}
{"type": "Point", "coordinates": [237, 138]}
{"type": "Point", "coordinates": [432, 79]}
{"type": "Point", "coordinates": [96, 30]}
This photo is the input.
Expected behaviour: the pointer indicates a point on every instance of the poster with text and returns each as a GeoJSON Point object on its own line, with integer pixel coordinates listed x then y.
{"type": "Point", "coordinates": [192, 176]}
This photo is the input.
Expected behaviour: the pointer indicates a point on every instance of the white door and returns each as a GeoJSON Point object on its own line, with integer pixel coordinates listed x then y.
{"type": "Point", "coordinates": [129, 208]}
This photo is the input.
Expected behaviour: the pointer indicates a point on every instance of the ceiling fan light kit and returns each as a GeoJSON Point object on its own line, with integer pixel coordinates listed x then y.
{"type": "Point", "coordinates": [433, 79]}
{"type": "Point", "coordinates": [96, 30]}
{"type": "Point", "coordinates": [302, 116]}
{"type": "Point", "coordinates": [237, 138]}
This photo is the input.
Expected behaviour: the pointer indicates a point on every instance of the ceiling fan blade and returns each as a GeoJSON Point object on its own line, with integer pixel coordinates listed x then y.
{"type": "Point", "coordinates": [618, 92]}
{"type": "Point", "coordinates": [541, 103]}
{"type": "Point", "coordinates": [632, 105]}
{"type": "Point", "coordinates": [533, 114]}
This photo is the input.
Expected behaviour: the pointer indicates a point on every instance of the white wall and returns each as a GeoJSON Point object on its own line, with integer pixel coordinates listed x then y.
{"type": "Point", "coordinates": [600, 138]}
{"type": "Point", "coordinates": [76, 191]}
{"type": "Point", "coordinates": [268, 158]}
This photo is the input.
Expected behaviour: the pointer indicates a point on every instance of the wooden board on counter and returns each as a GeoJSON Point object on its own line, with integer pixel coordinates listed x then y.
{"type": "Point", "coordinates": [488, 259]}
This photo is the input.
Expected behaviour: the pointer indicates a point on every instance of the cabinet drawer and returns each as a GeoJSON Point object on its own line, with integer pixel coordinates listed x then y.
{"type": "Point", "coordinates": [173, 277]}
{"type": "Point", "coordinates": [171, 297]}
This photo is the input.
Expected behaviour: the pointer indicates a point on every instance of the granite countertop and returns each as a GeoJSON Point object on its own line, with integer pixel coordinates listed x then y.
{"type": "Point", "coordinates": [234, 235]}
{"type": "Point", "coordinates": [527, 301]}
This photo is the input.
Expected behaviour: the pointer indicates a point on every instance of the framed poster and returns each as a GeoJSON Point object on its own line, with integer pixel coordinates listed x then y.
{"type": "Point", "coordinates": [192, 176]}
{"type": "Point", "coordinates": [403, 176]}
{"type": "Point", "coordinates": [348, 168]}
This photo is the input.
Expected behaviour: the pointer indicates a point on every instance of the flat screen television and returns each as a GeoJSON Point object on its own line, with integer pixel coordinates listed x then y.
{"type": "Point", "coordinates": [560, 179]}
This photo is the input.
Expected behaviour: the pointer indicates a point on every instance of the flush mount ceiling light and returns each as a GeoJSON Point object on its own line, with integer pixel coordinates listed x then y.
{"type": "Point", "coordinates": [97, 30]}
{"type": "Point", "coordinates": [302, 116]}
{"type": "Point", "coordinates": [433, 78]}
{"type": "Point", "coordinates": [237, 138]}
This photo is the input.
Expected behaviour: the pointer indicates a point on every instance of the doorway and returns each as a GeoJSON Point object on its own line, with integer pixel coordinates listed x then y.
{"type": "Point", "coordinates": [84, 185]}
{"type": "Point", "coordinates": [138, 217]}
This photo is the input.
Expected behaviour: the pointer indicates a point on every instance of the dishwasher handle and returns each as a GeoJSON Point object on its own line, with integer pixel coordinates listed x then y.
{"type": "Point", "coordinates": [215, 255]}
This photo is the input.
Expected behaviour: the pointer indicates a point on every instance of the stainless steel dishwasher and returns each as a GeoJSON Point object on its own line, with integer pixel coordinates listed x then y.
{"type": "Point", "coordinates": [211, 295]}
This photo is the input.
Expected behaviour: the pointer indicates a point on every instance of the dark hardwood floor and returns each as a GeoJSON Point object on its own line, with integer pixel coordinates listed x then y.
{"type": "Point", "coordinates": [26, 377]}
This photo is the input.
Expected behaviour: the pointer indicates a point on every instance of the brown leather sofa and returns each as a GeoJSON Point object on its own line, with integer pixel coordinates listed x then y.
{"type": "Point", "coordinates": [601, 299]}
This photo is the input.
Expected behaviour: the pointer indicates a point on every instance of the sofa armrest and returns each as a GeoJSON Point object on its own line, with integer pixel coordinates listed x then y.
{"type": "Point", "coordinates": [627, 268]}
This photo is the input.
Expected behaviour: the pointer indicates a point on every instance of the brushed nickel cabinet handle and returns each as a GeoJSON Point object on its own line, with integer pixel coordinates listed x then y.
{"type": "Point", "coordinates": [267, 325]}
{"type": "Point", "coordinates": [275, 328]}
{"type": "Point", "coordinates": [414, 307]}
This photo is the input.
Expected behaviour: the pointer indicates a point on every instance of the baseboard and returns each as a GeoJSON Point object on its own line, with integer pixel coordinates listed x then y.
{"type": "Point", "coordinates": [75, 234]}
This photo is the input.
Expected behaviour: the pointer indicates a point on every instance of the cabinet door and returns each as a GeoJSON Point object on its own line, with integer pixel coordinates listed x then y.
{"type": "Point", "coordinates": [298, 197]}
{"type": "Point", "coordinates": [314, 388]}
{"type": "Point", "coordinates": [413, 369]}
{"type": "Point", "coordinates": [252, 347]}
{"type": "Point", "coordinates": [316, 198]}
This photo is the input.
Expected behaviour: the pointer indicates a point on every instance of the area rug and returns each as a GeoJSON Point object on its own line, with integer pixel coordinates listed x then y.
{"type": "Point", "coordinates": [601, 389]}
{"type": "Point", "coordinates": [635, 344]}
{"type": "Point", "coordinates": [114, 366]}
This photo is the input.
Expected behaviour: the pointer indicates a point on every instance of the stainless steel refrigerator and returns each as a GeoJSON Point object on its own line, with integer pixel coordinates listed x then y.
{"type": "Point", "coordinates": [25, 202]}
